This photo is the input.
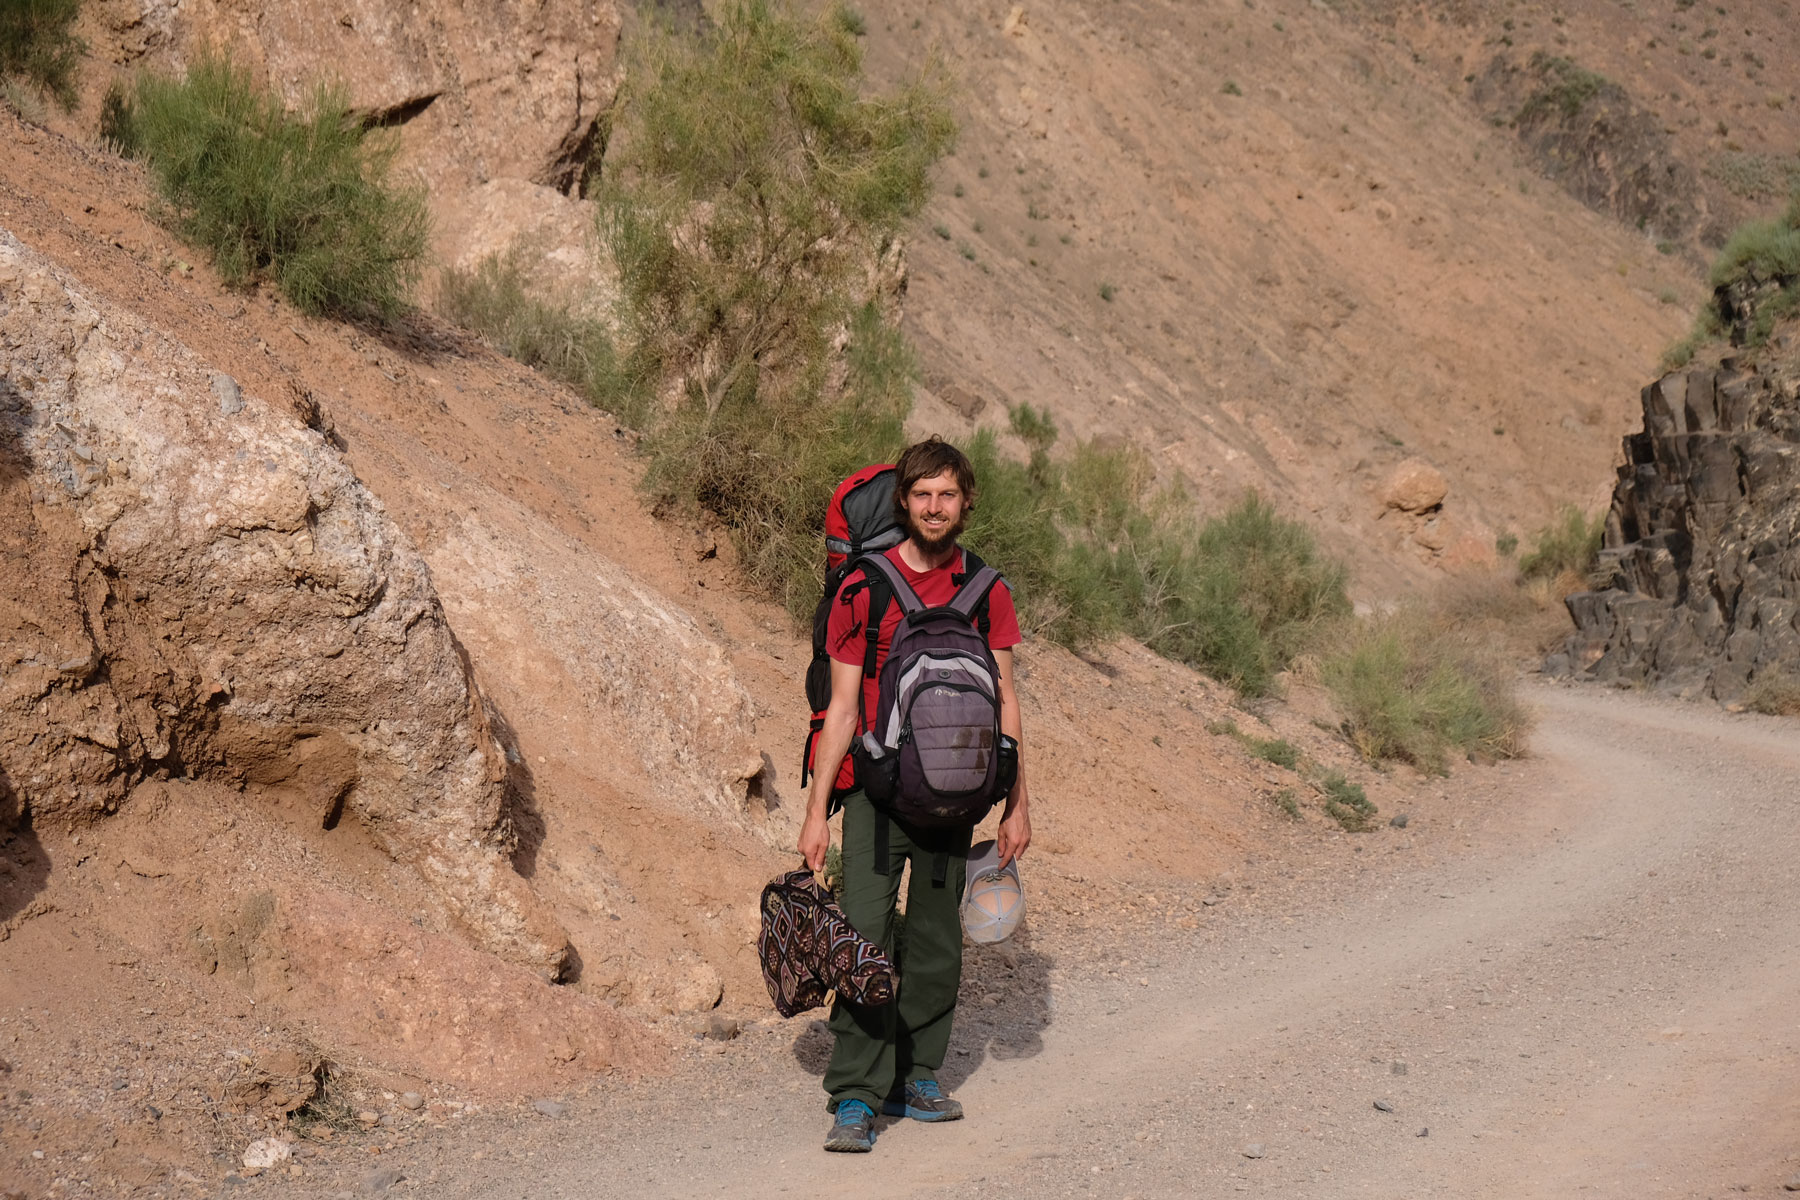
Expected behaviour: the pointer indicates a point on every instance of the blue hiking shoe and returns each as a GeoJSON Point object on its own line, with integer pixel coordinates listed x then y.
{"type": "Point", "coordinates": [924, 1101]}
{"type": "Point", "coordinates": [853, 1129]}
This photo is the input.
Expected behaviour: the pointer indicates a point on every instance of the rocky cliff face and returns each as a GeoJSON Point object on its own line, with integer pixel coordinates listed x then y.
{"type": "Point", "coordinates": [195, 585]}
{"type": "Point", "coordinates": [1700, 558]}
{"type": "Point", "coordinates": [515, 92]}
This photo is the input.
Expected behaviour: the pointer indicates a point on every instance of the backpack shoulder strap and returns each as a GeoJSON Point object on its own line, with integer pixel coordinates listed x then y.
{"type": "Point", "coordinates": [971, 598]}
{"type": "Point", "coordinates": [902, 590]}
{"type": "Point", "coordinates": [880, 577]}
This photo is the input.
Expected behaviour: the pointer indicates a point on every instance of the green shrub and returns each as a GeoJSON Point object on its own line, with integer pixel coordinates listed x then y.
{"type": "Point", "coordinates": [1235, 596]}
{"type": "Point", "coordinates": [1765, 255]}
{"type": "Point", "coordinates": [1347, 803]}
{"type": "Point", "coordinates": [751, 187]}
{"type": "Point", "coordinates": [1278, 751]}
{"type": "Point", "coordinates": [38, 46]}
{"type": "Point", "coordinates": [1761, 249]}
{"type": "Point", "coordinates": [1288, 802]}
{"type": "Point", "coordinates": [1565, 88]}
{"type": "Point", "coordinates": [304, 200]}
{"type": "Point", "coordinates": [494, 301]}
{"type": "Point", "coordinates": [766, 471]}
{"type": "Point", "coordinates": [1413, 689]}
{"type": "Point", "coordinates": [1570, 543]}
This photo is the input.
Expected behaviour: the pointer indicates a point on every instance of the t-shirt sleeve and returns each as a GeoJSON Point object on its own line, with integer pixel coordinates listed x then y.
{"type": "Point", "coordinates": [1003, 619]}
{"type": "Point", "coordinates": [844, 637]}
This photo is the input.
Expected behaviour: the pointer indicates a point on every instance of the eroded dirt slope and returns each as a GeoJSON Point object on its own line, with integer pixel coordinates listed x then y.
{"type": "Point", "coordinates": [1321, 259]}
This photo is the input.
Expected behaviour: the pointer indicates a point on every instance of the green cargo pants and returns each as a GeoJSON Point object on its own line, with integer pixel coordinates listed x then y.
{"type": "Point", "coordinates": [880, 1049]}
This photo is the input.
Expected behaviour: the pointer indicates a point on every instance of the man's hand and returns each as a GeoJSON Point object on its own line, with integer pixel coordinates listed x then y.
{"type": "Point", "coordinates": [1015, 834]}
{"type": "Point", "coordinates": [815, 839]}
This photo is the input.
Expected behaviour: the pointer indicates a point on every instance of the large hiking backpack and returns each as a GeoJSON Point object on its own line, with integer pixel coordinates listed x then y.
{"type": "Point", "coordinates": [860, 520]}
{"type": "Point", "coordinates": [932, 754]}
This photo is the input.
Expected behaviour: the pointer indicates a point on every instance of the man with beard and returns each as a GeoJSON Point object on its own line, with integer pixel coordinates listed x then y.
{"type": "Point", "coordinates": [886, 1059]}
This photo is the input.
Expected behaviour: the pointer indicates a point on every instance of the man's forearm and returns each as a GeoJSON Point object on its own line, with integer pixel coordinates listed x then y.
{"type": "Point", "coordinates": [828, 759]}
{"type": "Point", "coordinates": [1013, 727]}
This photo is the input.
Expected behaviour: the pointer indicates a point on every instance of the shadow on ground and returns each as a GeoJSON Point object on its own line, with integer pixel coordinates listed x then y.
{"type": "Point", "coordinates": [1002, 1012]}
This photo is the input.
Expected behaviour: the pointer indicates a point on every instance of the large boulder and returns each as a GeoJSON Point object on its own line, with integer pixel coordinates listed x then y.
{"type": "Point", "coordinates": [1414, 486]}
{"type": "Point", "coordinates": [1701, 547]}
{"type": "Point", "coordinates": [194, 584]}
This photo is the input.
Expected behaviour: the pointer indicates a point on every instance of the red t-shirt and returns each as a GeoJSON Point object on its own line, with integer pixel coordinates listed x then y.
{"type": "Point", "coordinates": [844, 637]}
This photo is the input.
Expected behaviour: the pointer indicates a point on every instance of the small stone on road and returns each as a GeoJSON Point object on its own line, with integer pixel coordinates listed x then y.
{"type": "Point", "coordinates": [1384, 1106]}
{"type": "Point", "coordinates": [1254, 1150]}
{"type": "Point", "coordinates": [381, 1179]}
{"type": "Point", "coordinates": [550, 1108]}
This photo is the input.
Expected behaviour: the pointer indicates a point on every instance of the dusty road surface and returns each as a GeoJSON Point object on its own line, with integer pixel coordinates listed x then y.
{"type": "Point", "coordinates": [1591, 987]}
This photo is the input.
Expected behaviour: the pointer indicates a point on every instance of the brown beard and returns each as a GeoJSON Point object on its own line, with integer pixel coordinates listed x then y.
{"type": "Point", "coordinates": [929, 547]}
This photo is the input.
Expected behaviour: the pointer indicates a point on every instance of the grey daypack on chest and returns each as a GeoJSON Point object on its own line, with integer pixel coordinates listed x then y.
{"type": "Point", "coordinates": [933, 755]}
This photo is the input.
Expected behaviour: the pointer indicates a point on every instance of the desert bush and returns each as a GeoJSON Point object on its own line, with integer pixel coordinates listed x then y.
{"type": "Point", "coordinates": [752, 190]}
{"type": "Point", "coordinates": [1522, 618]}
{"type": "Point", "coordinates": [1569, 543]}
{"type": "Point", "coordinates": [304, 200]}
{"type": "Point", "coordinates": [1763, 257]}
{"type": "Point", "coordinates": [1093, 555]}
{"type": "Point", "coordinates": [1236, 595]}
{"type": "Point", "coordinates": [1565, 88]}
{"type": "Point", "coordinates": [38, 46]}
{"type": "Point", "coordinates": [1414, 688]}
{"type": "Point", "coordinates": [1751, 176]}
{"type": "Point", "coordinates": [1279, 751]}
{"type": "Point", "coordinates": [1774, 692]}
{"type": "Point", "coordinates": [1347, 803]}
{"type": "Point", "coordinates": [765, 470]}
{"type": "Point", "coordinates": [493, 300]}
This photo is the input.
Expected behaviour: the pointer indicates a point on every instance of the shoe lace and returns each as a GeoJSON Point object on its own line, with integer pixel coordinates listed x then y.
{"type": "Point", "coordinates": [851, 1111]}
{"type": "Point", "coordinates": [928, 1088]}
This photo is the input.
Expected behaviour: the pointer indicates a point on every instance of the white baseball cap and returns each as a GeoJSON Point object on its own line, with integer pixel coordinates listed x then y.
{"type": "Point", "coordinates": [993, 901]}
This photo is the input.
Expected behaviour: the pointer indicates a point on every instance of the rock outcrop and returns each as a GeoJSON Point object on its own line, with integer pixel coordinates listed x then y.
{"type": "Point", "coordinates": [515, 90]}
{"type": "Point", "coordinates": [1589, 135]}
{"type": "Point", "coordinates": [1700, 554]}
{"type": "Point", "coordinates": [194, 584]}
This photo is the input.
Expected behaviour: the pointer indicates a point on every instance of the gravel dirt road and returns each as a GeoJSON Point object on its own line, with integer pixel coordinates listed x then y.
{"type": "Point", "coordinates": [1586, 986]}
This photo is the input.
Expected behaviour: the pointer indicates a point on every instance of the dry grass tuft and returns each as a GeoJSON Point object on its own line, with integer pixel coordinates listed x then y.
{"type": "Point", "coordinates": [1774, 692]}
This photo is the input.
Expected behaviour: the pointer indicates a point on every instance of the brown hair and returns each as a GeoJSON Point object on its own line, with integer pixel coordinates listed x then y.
{"type": "Point", "coordinates": [927, 460]}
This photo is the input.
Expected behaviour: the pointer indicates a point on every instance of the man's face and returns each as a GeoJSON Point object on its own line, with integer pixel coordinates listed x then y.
{"type": "Point", "coordinates": [934, 512]}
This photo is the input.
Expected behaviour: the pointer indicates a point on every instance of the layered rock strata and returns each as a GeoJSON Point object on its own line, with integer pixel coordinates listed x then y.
{"type": "Point", "coordinates": [1699, 570]}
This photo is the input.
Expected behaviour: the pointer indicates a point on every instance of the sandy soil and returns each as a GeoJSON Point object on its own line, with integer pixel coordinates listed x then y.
{"type": "Point", "coordinates": [1569, 975]}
